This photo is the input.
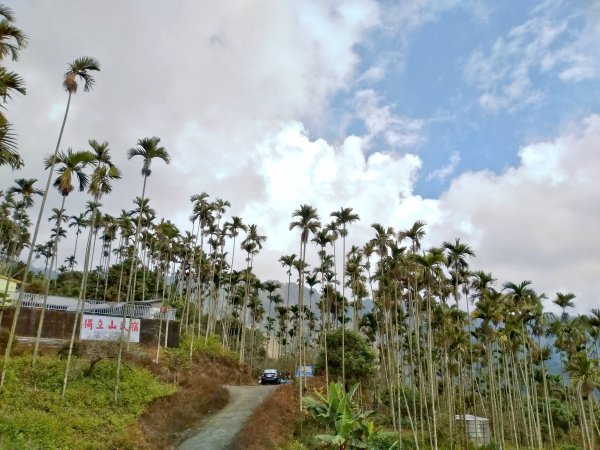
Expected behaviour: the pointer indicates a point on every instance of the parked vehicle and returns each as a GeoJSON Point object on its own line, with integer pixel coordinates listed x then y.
{"type": "Point", "coordinates": [269, 376]}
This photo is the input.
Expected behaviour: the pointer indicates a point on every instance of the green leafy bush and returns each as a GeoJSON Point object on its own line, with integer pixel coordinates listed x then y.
{"type": "Point", "coordinates": [359, 358]}
{"type": "Point", "coordinates": [353, 428]}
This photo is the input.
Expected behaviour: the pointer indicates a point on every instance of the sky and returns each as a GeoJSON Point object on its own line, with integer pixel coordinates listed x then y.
{"type": "Point", "coordinates": [480, 118]}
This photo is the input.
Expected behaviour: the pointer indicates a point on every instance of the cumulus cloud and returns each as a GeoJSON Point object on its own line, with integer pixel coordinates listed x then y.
{"type": "Point", "coordinates": [296, 170]}
{"type": "Point", "coordinates": [230, 89]}
{"type": "Point", "coordinates": [536, 221]}
{"type": "Point", "coordinates": [505, 73]}
{"type": "Point", "coordinates": [211, 80]}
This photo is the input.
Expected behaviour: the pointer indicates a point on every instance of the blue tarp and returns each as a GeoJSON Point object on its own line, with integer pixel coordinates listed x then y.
{"type": "Point", "coordinates": [305, 371]}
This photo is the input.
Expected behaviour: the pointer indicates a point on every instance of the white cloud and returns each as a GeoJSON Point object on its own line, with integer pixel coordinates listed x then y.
{"type": "Point", "coordinates": [373, 74]}
{"type": "Point", "coordinates": [536, 221]}
{"type": "Point", "coordinates": [380, 121]}
{"type": "Point", "coordinates": [297, 170]}
{"type": "Point", "coordinates": [228, 87]}
{"type": "Point", "coordinates": [505, 73]}
{"type": "Point", "coordinates": [212, 81]}
{"type": "Point", "coordinates": [444, 172]}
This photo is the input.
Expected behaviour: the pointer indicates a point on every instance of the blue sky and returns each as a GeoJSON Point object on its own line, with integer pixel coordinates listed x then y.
{"type": "Point", "coordinates": [426, 78]}
{"type": "Point", "coordinates": [481, 118]}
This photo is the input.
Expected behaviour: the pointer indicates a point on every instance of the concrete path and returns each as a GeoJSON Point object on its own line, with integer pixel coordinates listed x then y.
{"type": "Point", "coordinates": [219, 431]}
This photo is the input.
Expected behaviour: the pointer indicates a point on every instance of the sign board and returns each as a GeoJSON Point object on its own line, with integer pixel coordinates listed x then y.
{"type": "Point", "coordinates": [304, 371]}
{"type": "Point", "coordinates": [108, 328]}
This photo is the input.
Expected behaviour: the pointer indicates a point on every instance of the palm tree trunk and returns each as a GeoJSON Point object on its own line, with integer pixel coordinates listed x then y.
{"type": "Point", "coordinates": [344, 307]}
{"type": "Point", "coordinates": [301, 317]}
{"type": "Point", "coordinates": [80, 300]}
{"type": "Point", "coordinates": [47, 286]}
{"type": "Point", "coordinates": [106, 271]}
{"type": "Point", "coordinates": [587, 440]}
{"type": "Point", "coordinates": [75, 249]}
{"type": "Point", "coordinates": [13, 327]}
{"type": "Point", "coordinates": [245, 310]}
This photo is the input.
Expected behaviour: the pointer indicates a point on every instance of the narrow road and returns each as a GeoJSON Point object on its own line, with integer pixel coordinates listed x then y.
{"type": "Point", "coordinates": [219, 431]}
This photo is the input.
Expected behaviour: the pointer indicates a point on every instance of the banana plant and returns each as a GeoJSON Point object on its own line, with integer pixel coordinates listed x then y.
{"type": "Point", "coordinates": [353, 428]}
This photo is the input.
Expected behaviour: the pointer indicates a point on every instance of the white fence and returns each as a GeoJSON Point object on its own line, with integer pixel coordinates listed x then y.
{"type": "Point", "coordinates": [98, 307]}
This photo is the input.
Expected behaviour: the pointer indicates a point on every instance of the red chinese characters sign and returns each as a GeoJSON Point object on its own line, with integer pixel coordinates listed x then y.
{"type": "Point", "coordinates": [109, 328]}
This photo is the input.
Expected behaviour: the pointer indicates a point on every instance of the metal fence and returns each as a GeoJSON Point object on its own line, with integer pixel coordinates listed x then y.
{"type": "Point", "coordinates": [98, 307]}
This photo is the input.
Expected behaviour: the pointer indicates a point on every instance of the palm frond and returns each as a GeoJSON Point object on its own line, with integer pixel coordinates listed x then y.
{"type": "Point", "coordinates": [12, 39]}
{"type": "Point", "coordinates": [7, 13]}
{"type": "Point", "coordinates": [80, 68]}
{"type": "Point", "coordinates": [9, 156]}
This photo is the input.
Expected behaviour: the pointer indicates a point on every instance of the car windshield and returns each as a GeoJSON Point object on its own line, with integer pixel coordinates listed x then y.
{"type": "Point", "coordinates": [270, 372]}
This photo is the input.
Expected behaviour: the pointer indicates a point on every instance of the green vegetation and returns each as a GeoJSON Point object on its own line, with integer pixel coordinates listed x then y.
{"type": "Point", "coordinates": [33, 414]}
{"type": "Point", "coordinates": [353, 428]}
{"type": "Point", "coordinates": [358, 356]}
{"type": "Point", "coordinates": [438, 340]}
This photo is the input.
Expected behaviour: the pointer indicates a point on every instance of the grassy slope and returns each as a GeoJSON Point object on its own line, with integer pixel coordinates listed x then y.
{"type": "Point", "coordinates": [151, 413]}
{"type": "Point", "coordinates": [33, 415]}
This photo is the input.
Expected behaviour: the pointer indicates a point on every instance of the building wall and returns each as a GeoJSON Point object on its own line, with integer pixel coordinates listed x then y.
{"type": "Point", "coordinates": [12, 287]}
{"type": "Point", "coordinates": [59, 325]}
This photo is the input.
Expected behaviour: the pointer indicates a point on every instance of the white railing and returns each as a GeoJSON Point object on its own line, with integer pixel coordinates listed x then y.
{"type": "Point", "coordinates": [98, 307]}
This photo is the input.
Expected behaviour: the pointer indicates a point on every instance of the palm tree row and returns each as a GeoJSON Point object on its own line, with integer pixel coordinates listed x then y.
{"type": "Point", "coordinates": [450, 342]}
{"type": "Point", "coordinates": [437, 360]}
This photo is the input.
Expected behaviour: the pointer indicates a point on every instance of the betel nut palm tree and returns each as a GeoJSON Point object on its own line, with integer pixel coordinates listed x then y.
{"type": "Point", "coordinates": [232, 229]}
{"type": "Point", "coordinates": [307, 220]}
{"type": "Point", "coordinates": [343, 218]}
{"type": "Point", "coordinates": [148, 149]}
{"type": "Point", "coordinates": [70, 173]}
{"type": "Point", "coordinates": [251, 245]}
{"type": "Point", "coordinates": [12, 41]}
{"type": "Point", "coordinates": [78, 71]}
{"type": "Point", "coordinates": [100, 184]}
{"type": "Point", "coordinates": [26, 189]}
{"type": "Point", "coordinates": [79, 222]}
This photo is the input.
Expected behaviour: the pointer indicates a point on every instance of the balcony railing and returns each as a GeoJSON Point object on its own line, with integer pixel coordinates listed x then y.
{"type": "Point", "coordinates": [98, 307]}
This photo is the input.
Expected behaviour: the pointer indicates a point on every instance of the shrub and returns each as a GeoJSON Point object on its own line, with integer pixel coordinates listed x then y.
{"type": "Point", "coordinates": [63, 352]}
{"type": "Point", "coordinates": [353, 428]}
{"type": "Point", "coordinates": [359, 359]}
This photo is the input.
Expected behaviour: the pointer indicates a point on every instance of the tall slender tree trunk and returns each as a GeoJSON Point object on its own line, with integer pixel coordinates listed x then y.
{"type": "Point", "coordinates": [344, 307]}
{"type": "Point", "coordinates": [13, 327]}
{"type": "Point", "coordinates": [47, 286]}
{"type": "Point", "coordinates": [245, 310]}
{"type": "Point", "coordinates": [75, 249]}
{"type": "Point", "coordinates": [80, 301]}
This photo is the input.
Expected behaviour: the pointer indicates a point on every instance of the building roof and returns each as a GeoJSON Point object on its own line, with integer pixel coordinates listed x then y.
{"type": "Point", "coordinates": [4, 277]}
{"type": "Point", "coordinates": [471, 417]}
